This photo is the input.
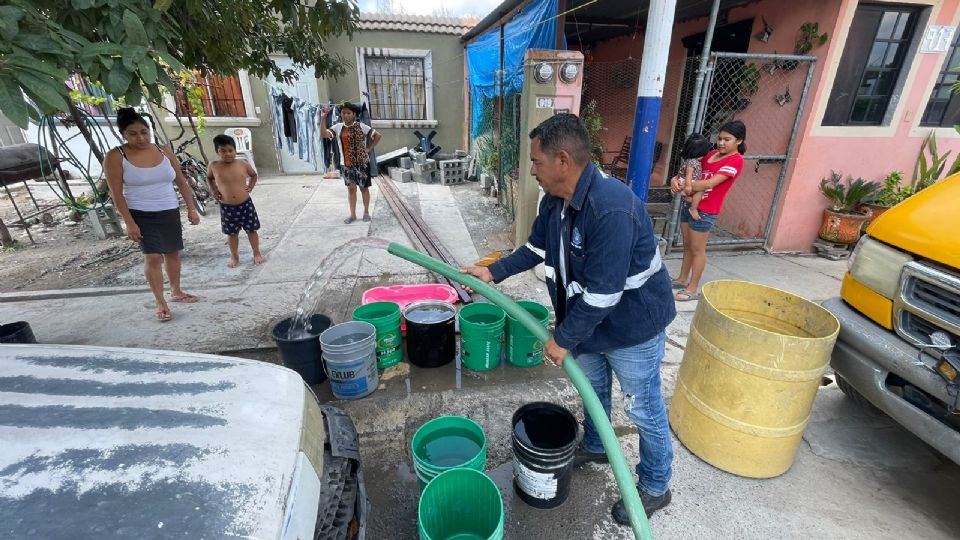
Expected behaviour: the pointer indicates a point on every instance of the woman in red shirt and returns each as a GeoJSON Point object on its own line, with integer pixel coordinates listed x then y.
{"type": "Point", "coordinates": [721, 168]}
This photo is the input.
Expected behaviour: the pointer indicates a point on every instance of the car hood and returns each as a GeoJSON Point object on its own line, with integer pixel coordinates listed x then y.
{"type": "Point", "coordinates": [925, 223]}
{"type": "Point", "coordinates": [128, 443]}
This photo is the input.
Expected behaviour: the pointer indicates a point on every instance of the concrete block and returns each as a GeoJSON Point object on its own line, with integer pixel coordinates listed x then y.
{"type": "Point", "coordinates": [486, 180]}
{"type": "Point", "coordinates": [406, 163]}
{"type": "Point", "coordinates": [406, 176]}
{"type": "Point", "coordinates": [455, 164]}
{"type": "Point", "coordinates": [419, 157]}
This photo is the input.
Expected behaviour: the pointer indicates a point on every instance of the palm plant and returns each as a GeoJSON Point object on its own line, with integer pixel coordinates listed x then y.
{"type": "Point", "coordinates": [846, 195]}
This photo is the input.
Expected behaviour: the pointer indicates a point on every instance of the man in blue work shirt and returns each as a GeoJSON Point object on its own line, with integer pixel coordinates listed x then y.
{"type": "Point", "coordinates": [610, 290]}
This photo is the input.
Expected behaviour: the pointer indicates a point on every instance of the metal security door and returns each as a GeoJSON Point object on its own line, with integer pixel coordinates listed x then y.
{"type": "Point", "coordinates": [766, 92]}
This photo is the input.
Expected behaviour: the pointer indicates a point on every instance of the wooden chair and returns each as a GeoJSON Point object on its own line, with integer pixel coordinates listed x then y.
{"type": "Point", "coordinates": [618, 167]}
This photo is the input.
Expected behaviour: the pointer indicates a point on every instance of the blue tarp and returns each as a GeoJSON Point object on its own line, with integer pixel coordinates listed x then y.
{"type": "Point", "coordinates": [534, 27]}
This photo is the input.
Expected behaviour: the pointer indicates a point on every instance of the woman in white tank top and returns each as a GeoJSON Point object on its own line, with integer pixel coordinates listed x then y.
{"type": "Point", "coordinates": [141, 176]}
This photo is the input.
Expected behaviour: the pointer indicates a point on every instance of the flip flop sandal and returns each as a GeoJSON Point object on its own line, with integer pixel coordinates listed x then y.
{"type": "Point", "coordinates": [349, 220]}
{"type": "Point", "coordinates": [185, 298]}
{"type": "Point", "coordinates": [164, 315]}
{"type": "Point", "coordinates": [686, 296]}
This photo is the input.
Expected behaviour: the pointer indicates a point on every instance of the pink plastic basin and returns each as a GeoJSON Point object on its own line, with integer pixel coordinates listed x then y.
{"type": "Point", "coordinates": [407, 294]}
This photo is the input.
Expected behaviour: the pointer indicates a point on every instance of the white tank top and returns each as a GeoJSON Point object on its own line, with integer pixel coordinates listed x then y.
{"type": "Point", "coordinates": [149, 189]}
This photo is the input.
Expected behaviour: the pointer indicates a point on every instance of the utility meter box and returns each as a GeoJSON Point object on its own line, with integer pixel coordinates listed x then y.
{"type": "Point", "coordinates": [552, 84]}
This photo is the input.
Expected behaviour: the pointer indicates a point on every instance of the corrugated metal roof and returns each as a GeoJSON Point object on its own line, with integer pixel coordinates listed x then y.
{"type": "Point", "coordinates": [415, 23]}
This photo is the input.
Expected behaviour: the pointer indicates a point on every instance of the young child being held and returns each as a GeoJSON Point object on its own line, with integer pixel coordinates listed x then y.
{"type": "Point", "coordinates": [231, 181]}
{"type": "Point", "coordinates": [694, 149]}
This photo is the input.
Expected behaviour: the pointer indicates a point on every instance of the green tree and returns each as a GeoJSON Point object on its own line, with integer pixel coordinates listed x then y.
{"type": "Point", "coordinates": [134, 46]}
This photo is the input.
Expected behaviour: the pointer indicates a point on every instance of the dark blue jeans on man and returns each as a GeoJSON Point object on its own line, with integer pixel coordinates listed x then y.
{"type": "Point", "coordinates": [638, 370]}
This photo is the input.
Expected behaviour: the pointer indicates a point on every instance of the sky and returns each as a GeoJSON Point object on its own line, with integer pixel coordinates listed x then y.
{"type": "Point", "coordinates": [455, 8]}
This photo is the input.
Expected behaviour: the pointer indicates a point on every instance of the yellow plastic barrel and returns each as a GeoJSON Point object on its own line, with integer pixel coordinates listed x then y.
{"type": "Point", "coordinates": [751, 369]}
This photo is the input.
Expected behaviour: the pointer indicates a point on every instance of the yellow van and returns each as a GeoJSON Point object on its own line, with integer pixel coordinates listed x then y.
{"type": "Point", "coordinates": [899, 311]}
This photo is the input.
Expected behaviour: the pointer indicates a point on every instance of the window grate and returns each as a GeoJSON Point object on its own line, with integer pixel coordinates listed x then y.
{"type": "Point", "coordinates": [397, 88]}
{"type": "Point", "coordinates": [222, 96]}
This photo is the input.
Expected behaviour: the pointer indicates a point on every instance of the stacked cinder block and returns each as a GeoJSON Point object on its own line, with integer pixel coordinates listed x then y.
{"type": "Point", "coordinates": [426, 172]}
{"type": "Point", "coordinates": [453, 171]}
{"type": "Point", "coordinates": [400, 174]}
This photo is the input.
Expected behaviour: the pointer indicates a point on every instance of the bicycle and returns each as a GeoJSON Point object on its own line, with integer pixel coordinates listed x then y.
{"type": "Point", "coordinates": [196, 174]}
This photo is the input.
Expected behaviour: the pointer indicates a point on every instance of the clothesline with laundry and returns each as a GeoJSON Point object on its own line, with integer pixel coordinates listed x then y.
{"type": "Point", "coordinates": [296, 124]}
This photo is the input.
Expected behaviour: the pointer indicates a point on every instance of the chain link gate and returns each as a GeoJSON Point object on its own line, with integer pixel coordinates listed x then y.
{"type": "Point", "coordinates": [767, 92]}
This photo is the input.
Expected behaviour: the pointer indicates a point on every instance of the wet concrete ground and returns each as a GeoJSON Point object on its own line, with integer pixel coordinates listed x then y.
{"type": "Point", "coordinates": [856, 475]}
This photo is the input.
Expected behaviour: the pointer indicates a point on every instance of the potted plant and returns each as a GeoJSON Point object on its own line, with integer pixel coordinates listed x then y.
{"type": "Point", "coordinates": [842, 220]}
{"type": "Point", "coordinates": [808, 37]}
{"type": "Point", "coordinates": [888, 196]}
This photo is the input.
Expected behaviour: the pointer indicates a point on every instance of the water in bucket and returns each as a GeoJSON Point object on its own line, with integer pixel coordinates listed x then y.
{"type": "Point", "coordinates": [450, 447]}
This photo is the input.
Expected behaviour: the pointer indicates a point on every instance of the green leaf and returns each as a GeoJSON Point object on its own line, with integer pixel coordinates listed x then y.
{"type": "Point", "coordinates": [11, 102]}
{"type": "Point", "coordinates": [134, 96]}
{"type": "Point", "coordinates": [118, 80]}
{"type": "Point", "coordinates": [128, 60]}
{"type": "Point", "coordinates": [148, 70]}
{"type": "Point", "coordinates": [169, 59]}
{"type": "Point", "coordinates": [46, 91]}
{"type": "Point", "coordinates": [32, 64]}
{"type": "Point", "coordinates": [162, 5]}
{"type": "Point", "coordinates": [38, 43]}
{"type": "Point", "coordinates": [82, 4]}
{"type": "Point", "coordinates": [101, 49]}
{"type": "Point", "coordinates": [164, 78]}
{"type": "Point", "coordinates": [134, 28]}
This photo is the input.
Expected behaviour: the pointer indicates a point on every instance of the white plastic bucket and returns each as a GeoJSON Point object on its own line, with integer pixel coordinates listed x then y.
{"type": "Point", "coordinates": [350, 358]}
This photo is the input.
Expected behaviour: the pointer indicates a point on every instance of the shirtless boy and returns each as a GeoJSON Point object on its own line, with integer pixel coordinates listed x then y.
{"type": "Point", "coordinates": [232, 180]}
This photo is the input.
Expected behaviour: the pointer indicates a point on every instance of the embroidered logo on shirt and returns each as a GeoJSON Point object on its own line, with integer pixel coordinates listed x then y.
{"type": "Point", "coordinates": [576, 242]}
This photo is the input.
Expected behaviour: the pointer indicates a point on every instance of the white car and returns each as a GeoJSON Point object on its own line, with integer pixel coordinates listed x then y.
{"type": "Point", "coordinates": [128, 443]}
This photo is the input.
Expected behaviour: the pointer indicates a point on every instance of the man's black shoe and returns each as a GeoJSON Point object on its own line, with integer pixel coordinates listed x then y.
{"type": "Point", "coordinates": [583, 456]}
{"type": "Point", "coordinates": [650, 503]}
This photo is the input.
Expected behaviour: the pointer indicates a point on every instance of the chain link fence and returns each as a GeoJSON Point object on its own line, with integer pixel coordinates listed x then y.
{"type": "Point", "coordinates": [496, 145]}
{"type": "Point", "coordinates": [767, 93]}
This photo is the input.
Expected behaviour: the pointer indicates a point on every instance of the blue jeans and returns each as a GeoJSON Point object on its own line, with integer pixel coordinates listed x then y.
{"type": "Point", "coordinates": [638, 370]}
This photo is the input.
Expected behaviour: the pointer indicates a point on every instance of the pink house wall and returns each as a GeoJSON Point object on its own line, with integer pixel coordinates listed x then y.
{"type": "Point", "coordinates": [871, 157]}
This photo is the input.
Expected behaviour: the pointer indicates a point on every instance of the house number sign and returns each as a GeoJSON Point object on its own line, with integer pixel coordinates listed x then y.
{"type": "Point", "coordinates": [937, 39]}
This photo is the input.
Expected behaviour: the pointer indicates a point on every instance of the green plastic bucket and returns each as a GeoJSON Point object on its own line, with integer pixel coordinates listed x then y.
{"type": "Point", "coordinates": [461, 504]}
{"type": "Point", "coordinates": [385, 317]}
{"type": "Point", "coordinates": [523, 348]}
{"type": "Point", "coordinates": [446, 443]}
{"type": "Point", "coordinates": [481, 335]}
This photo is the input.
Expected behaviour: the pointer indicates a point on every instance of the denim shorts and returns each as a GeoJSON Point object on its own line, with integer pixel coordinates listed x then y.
{"type": "Point", "coordinates": [704, 224]}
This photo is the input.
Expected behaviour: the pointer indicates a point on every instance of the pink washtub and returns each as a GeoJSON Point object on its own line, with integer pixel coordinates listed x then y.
{"type": "Point", "coordinates": [407, 294]}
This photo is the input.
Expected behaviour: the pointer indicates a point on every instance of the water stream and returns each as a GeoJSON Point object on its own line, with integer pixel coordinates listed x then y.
{"type": "Point", "coordinates": [310, 299]}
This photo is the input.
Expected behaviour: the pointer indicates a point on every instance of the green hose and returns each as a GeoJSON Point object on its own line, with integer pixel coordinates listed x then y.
{"type": "Point", "coordinates": [621, 471]}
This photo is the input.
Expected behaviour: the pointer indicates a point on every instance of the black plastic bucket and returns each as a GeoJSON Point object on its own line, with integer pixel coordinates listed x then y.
{"type": "Point", "coordinates": [545, 440]}
{"type": "Point", "coordinates": [17, 332]}
{"type": "Point", "coordinates": [431, 333]}
{"type": "Point", "coordinates": [303, 355]}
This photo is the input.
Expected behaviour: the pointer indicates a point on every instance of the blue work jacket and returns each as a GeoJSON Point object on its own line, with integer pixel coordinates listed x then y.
{"type": "Point", "coordinates": [618, 290]}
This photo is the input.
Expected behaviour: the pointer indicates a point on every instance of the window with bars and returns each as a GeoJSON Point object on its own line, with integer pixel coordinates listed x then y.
{"type": "Point", "coordinates": [85, 87]}
{"type": "Point", "coordinates": [222, 96]}
{"type": "Point", "coordinates": [871, 65]}
{"type": "Point", "coordinates": [943, 109]}
{"type": "Point", "coordinates": [397, 87]}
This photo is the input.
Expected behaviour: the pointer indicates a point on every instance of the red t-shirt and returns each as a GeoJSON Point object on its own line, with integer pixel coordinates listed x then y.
{"type": "Point", "coordinates": [730, 166]}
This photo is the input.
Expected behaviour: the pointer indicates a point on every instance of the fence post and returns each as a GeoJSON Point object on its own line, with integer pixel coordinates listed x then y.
{"type": "Point", "coordinates": [674, 225]}
{"type": "Point", "coordinates": [653, 73]}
